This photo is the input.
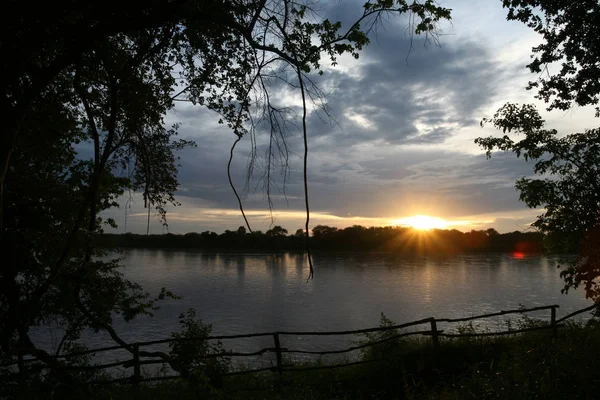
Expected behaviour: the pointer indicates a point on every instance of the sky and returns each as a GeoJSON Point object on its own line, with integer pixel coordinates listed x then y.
{"type": "Point", "coordinates": [401, 143]}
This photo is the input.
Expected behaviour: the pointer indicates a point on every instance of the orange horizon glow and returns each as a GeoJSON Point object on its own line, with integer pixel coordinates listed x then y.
{"type": "Point", "coordinates": [422, 222]}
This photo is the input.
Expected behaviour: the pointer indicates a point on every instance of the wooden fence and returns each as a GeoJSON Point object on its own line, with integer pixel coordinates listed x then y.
{"type": "Point", "coordinates": [141, 357]}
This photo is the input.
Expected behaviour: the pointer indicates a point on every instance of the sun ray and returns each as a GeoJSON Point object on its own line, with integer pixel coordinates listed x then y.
{"type": "Point", "coordinates": [422, 222]}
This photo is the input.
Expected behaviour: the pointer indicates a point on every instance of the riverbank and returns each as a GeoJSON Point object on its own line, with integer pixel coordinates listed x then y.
{"type": "Point", "coordinates": [355, 239]}
{"type": "Point", "coordinates": [524, 366]}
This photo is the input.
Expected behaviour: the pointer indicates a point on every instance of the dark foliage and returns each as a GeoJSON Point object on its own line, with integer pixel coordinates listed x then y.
{"type": "Point", "coordinates": [570, 31]}
{"type": "Point", "coordinates": [355, 238]}
{"type": "Point", "coordinates": [567, 186]}
{"type": "Point", "coordinates": [99, 77]}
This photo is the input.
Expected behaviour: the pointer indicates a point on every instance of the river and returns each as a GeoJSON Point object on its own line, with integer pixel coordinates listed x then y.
{"type": "Point", "coordinates": [259, 292]}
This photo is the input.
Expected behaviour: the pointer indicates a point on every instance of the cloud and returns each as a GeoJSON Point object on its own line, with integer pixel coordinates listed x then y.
{"type": "Point", "coordinates": [391, 102]}
{"type": "Point", "coordinates": [401, 143]}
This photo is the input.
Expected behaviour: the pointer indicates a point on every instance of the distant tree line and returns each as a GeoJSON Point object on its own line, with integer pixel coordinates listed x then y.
{"type": "Point", "coordinates": [327, 238]}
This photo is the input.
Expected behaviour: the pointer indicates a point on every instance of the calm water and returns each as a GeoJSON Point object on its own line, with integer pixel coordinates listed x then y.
{"type": "Point", "coordinates": [245, 293]}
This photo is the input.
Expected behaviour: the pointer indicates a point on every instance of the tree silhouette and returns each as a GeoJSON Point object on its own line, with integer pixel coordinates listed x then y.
{"type": "Point", "coordinates": [568, 188]}
{"type": "Point", "coordinates": [389, 239]}
{"type": "Point", "coordinates": [277, 231]}
{"type": "Point", "coordinates": [570, 31]}
{"type": "Point", "coordinates": [104, 75]}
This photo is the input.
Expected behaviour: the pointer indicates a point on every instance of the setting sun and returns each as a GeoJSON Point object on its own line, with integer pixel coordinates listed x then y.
{"type": "Point", "coordinates": [423, 222]}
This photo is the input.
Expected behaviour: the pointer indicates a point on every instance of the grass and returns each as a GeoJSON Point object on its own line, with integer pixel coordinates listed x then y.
{"type": "Point", "coordinates": [532, 365]}
{"type": "Point", "coordinates": [529, 366]}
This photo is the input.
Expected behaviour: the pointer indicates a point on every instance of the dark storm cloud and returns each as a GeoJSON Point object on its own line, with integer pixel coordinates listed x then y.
{"type": "Point", "coordinates": [417, 101]}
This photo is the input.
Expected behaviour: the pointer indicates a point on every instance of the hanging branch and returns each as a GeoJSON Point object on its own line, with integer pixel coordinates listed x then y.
{"type": "Point", "coordinates": [235, 192]}
{"type": "Point", "coordinates": [305, 169]}
{"type": "Point", "coordinates": [271, 38]}
{"type": "Point", "coordinates": [240, 134]}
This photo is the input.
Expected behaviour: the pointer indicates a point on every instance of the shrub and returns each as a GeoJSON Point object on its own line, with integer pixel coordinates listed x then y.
{"type": "Point", "coordinates": [195, 355]}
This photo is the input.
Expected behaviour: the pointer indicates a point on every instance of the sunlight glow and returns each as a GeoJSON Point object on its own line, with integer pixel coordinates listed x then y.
{"type": "Point", "coordinates": [423, 222]}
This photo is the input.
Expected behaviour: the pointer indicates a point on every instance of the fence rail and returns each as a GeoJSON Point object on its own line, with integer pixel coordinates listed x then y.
{"type": "Point", "coordinates": [136, 362]}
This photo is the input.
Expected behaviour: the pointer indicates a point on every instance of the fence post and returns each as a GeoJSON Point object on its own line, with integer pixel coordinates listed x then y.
{"type": "Point", "coordinates": [137, 371]}
{"type": "Point", "coordinates": [278, 352]}
{"type": "Point", "coordinates": [21, 376]}
{"type": "Point", "coordinates": [553, 321]}
{"type": "Point", "coordinates": [434, 335]}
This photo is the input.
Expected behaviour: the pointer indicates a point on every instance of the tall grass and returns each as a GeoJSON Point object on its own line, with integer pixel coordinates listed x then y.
{"type": "Point", "coordinates": [531, 365]}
